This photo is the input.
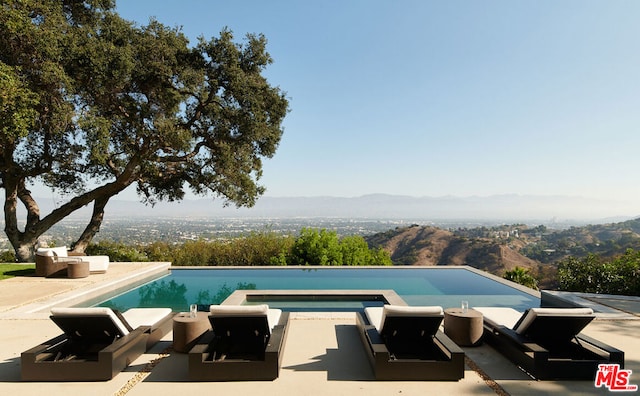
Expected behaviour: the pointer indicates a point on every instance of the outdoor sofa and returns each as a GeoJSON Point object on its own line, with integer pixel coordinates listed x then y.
{"type": "Point", "coordinates": [546, 342]}
{"type": "Point", "coordinates": [97, 343]}
{"type": "Point", "coordinates": [53, 262]}
{"type": "Point", "coordinates": [245, 343]}
{"type": "Point", "coordinates": [406, 343]}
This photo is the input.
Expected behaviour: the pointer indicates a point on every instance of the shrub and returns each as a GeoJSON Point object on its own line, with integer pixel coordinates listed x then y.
{"type": "Point", "coordinates": [116, 251]}
{"type": "Point", "coordinates": [592, 274]}
{"type": "Point", "coordinates": [521, 276]}
{"type": "Point", "coordinates": [8, 256]}
{"type": "Point", "coordinates": [313, 247]}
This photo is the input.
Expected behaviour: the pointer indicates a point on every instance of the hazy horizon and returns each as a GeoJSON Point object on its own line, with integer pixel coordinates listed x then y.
{"type": "Point", "coordinates": [498, 208]}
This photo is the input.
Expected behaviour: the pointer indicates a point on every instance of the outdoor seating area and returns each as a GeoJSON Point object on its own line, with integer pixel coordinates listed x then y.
{"type": "Point", "coordinates": [318, 352]}
{"type": "Point", "coordinates": [59, 262]}
{"type": "Point", "coordinates": [546, 342]}
{"type": "Point", "coordinates": [406, 343]}
{"type": "Point", "coordinates": [97, 343]}
{"type": "Point", "coordinates": [246, 343]}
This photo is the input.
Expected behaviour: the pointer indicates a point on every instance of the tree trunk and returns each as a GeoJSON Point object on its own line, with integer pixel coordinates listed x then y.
{"type": "Point", "coordinates": [94, 225]}
{"type": "Point", "coordinates": [23, 242]}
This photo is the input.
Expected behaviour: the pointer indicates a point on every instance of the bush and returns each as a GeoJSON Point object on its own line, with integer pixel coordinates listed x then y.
{"type": "Point", "coordinates": [311, 247]}
{"type": "Point", "coordinates": [116, 251]}
{"type": "Point", "coordinates": [8, 256]}
{"type": "Point", "coordinates": [592, 274]}
{"type": "Point", "coordinates": [522, 277]}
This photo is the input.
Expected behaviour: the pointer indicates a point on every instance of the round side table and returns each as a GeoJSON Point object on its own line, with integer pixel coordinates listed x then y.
{"type": "Point", "coordinates": [464, 328]}
{"type": "Point", "coordinates": [77, 269]}
{"type": "Point", "coordinates": [187, 330]}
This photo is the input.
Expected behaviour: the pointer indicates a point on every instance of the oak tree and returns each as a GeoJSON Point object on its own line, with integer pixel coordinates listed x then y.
{"type": "Point", "coordinates": [91, 103]}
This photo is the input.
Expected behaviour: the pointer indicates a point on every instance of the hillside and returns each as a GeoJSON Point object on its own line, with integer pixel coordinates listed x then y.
{"type": "Point", "coordinates": [417, 245]}
{"type": "Point", "coordinates": [502, 248]}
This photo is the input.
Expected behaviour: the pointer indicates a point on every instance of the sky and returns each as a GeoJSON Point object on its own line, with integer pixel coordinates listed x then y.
{"type": "Point", "coordinates": [441, 98]}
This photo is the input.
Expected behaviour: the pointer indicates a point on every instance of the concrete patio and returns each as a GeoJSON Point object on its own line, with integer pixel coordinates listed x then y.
{"type": "Point", "coordinates": [323, 354]}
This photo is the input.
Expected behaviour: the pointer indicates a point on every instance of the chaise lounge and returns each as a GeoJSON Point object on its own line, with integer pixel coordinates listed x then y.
{"type": "Point", "coordinates": [405, 343]}
{"type": "Point", "coordinates": [97, 343]}
{"type": "Point", "coordinates": [245, 343]}
{"type": "Point", "coordinates": [53, 262]}
{"type": "Point", "coordinates": [546, 342]}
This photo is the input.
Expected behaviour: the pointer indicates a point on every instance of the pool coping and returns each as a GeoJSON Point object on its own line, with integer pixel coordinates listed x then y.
{"type": "Point", "coordinates": [90, 288]}
{"type": "Point", "coordinates": [240, 297]}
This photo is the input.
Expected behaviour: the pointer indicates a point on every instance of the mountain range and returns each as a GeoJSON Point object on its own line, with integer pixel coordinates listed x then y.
{"type": "Point", "coordinates": [501, 208]}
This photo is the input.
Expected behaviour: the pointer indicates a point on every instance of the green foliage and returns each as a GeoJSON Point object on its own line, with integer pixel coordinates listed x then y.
{"type": "Point", "coordinates": [521, 276]}
{"type": "Point", "coordinates": [313, 247]}
{"type": "Point", "coordinates": [91, 103]}
{"type": "Point", "coordinates": [256, 249]}
{"type": "Point", "coordinates": [118, 252]}
{"type": "Point", "coordinates": [593, 274]}
{"type": "Point", "coordinates": [17, 114]}
{"type": "Point", "coordinates": [7, 256]}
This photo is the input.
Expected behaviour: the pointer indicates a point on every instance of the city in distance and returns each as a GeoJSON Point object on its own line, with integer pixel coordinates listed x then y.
{"type": "Point", "coordinates": [496, 208]}
{"type": "Point", "coordinates": [133, 222]}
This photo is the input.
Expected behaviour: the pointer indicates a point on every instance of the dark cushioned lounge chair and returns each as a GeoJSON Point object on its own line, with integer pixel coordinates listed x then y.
{"type": "Point", "coordinates": [546, 342]}
{"type": "Point", "coordinates": [245, 343]}
{"type": "Point", "coordinates": [405, 343]}
{"type": "Point", "coordinates": [97, 343]}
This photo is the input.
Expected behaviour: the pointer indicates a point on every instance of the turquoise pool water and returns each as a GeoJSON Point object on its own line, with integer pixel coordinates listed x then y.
{"type": "Point", "coordinates": [446, 287]}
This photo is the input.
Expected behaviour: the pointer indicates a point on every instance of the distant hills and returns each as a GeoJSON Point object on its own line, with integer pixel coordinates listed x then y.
{"type": "Point", "coordinates": [497, 208]}
{"type": "Point", "coordinates": [502, 248]}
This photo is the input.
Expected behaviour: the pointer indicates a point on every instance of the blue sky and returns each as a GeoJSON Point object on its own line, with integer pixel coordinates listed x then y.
{"type": "Point", "coordinates": [435, 98]}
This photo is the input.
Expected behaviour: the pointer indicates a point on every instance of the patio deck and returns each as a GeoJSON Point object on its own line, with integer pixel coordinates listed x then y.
{"type": "Point", "coordinates": [323, 354]}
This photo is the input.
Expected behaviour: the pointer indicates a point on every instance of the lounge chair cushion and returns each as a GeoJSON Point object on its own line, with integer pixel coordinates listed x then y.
{"type": "Point", "coordinates": [60, 251]}
{"type": "Point", "coordinates": [532, 314]}
{"type": "Point", "coordinates": [378, 315]}
{"type": "Point", "coordinates": [97, 263]}
{"type": "Point", "coordinates": [74, 323]}
{"type": "Point", "coordinates": [500, 316]}
{"type": "Point", "coordinates": [273, 315]}
{"type": "Point", "coordinates": [547, 326]}
{"type": "Point", "coordinates": [150, 317]}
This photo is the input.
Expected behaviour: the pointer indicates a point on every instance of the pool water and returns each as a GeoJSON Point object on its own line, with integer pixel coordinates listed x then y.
{"type": "Point", "coordinates": [446, 287]}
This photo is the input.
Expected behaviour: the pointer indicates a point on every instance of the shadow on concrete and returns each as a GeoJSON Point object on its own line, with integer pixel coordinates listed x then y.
{"type": "Point", "coordinates": [10, 370]}
{"type": "Point", "coordinates": [346, 363]}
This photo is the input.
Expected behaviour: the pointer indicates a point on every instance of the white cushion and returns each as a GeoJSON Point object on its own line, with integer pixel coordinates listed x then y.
{"type": "Point", "coordinates": [509, 317]}
{"type": "Point", "coordinates": [93, 311]}
{"type": "Point", "coordinates": [499, 316]}
{"type": "Point", "coordinates": [377, 315]}
{"type": "Point", "coordinates": [533, 313]}
{"type": "Point", "coordinates": [56, 251]}
{"type": "Point", "coordinates": [137, 317]}
{"type": "Point", "coordinates": [273, 315]}
{"type": "Point", "coordinates": [96, 263]}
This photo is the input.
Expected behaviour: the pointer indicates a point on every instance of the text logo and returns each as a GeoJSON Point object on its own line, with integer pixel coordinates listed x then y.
{"type": "Point", "coordinates": [614, 378]}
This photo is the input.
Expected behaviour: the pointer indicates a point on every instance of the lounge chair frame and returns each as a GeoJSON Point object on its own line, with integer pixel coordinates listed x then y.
{"type": "Point", "coordinates": [64, 358]}
{"type": "Point", "coordinates": [260, 363]}
{"type": "Point", "coordinates": [54, 266]}
{"type": "Point", "coordinates": [438, 358]}
{"type": "Point", "coordinates": [576, 358]}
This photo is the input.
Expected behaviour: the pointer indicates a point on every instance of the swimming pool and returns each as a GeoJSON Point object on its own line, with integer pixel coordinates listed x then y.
{"type": "Point", "coordinates": [444, 286]}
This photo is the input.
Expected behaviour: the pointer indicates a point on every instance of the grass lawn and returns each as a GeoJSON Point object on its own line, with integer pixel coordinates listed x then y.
{"type": "Point", "coordinates": [11, 270]}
